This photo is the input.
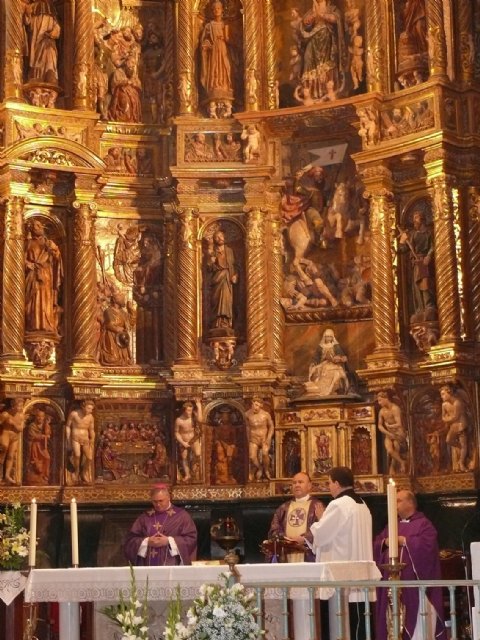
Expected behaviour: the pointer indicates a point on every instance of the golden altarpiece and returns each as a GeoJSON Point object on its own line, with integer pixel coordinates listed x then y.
{"type": "Point", "coordinates": [269, 211]}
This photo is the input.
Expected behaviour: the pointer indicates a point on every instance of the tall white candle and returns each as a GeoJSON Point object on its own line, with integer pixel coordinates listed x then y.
{"type": "Point", "coordinates": [392, 519]}
{"type": "Point", "coordinates": [74, 530]}
{"type": "Point", "coordinates": [32, 550]}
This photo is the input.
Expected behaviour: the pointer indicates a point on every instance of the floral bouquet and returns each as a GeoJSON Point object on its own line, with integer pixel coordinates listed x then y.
{"type": "Point", "coordinates": [220, 612]}
{"type": "Point", "coordinates": [14, 538]}
{"type": "Point", "coordinates": [130, 615]}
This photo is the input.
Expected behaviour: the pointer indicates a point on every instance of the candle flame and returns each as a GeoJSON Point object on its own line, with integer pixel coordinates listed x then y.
{"type": "Point", "coordinates": [391, 481]}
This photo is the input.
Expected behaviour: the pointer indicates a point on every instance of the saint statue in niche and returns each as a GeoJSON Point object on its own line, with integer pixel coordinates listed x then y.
{"type": "Point", "coordinates": [328, 373]}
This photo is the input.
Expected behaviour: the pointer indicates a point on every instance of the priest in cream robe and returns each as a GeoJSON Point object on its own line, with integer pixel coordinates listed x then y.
{"type": "Point", "coordinates": [344, 533]}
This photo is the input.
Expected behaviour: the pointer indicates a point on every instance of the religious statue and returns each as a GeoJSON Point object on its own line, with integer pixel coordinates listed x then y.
{"type": "Point", "coordinates": [251, 137]}
{"type": "Point", "coordinates": [152, 70]}
{"type": "Point", "coordinates": [125, 105]}
{"type": "Point", "coordinates": [456, 424]}
{"type": "Point", "coordinates": [223, 275]}
{"type": "Point", "coordinates": [413, 43]}
{"type": "Point", "coordinates": [260, 429]}
{"type": "Point", "coordinates": [44, 276]}
{"type": "Point", "coordinates": [38, 459]}
{"type": "Point", "coordinates": [126, 254]}
{"type": "Point", "coordinates": [328, 371]}
{"type": "Point", "coordinates": [12, 423]}
{"type": "Point", "coordinates": [43, 30]}
{"type": "Point", "coordinates": [216, 75]}
{"type": "Point", "coordinates": [419, 243]}
{"type": "Point", "coordinates": [115, 333]}
{"type": "Point", "coordinates": [188, 435]}
{"type": "Point", "coordinates": [390, 423]}
{"type": "Point", "coordinates": [157, 464]}
{"type": "Point", "coordinates": [80, 439]}
{"type": "Point", "coordinates": [325, 53]}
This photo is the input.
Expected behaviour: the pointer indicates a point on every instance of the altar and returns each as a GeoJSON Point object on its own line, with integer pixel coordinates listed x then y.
{"type": "Point", "coordinates": [104, 585]}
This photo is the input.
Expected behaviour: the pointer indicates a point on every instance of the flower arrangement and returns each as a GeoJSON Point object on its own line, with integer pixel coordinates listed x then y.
{"type": "Point", "coordinates": [130, 615]}
{"type": "Point", "coordinates": [14, 538]}
{"type": "Point", "coordinates": [220, 612]}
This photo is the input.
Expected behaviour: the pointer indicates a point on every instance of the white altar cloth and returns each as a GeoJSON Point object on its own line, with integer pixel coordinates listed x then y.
{"type": "Point", "coordinates": [106, 583]}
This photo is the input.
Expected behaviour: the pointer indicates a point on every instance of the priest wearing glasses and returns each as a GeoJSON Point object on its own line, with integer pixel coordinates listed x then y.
{"type": "Point", "coordinates": [162, 536]}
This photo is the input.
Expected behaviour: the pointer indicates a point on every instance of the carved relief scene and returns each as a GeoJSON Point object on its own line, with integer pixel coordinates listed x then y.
{"type": "Point", "coordinates": [322, 53]}
{"type": "Point", "coordinates": [129, 293]}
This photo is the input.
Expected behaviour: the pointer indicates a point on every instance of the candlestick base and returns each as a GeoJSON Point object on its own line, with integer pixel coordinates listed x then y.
{"type": "Point", "coordinates": [75, 566]}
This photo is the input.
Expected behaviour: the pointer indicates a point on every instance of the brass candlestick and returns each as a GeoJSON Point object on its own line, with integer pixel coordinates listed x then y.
{"type": "Point", "coordinates": [395, 617]}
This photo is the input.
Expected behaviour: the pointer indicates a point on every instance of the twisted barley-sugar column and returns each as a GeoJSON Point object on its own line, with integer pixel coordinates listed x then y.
{"type": "Point", "coordinates": [256, 277]}
{"type": "Point", "coordinates": [466, 43]}
{"type": "Point", "coordinates": [276, 283]}
{"type": "Point", "coordinates": [185, 56]}
{"type": "Point", "coordinates": [14, 43]}
{"type": "Point", "coordinates": [84, 284]}
{"type": "Point", "coordinates": [251, 44]}
{"type": "Point", "coordinates": [375, 68]}
{"type": "Point", "coordinates": [13, 316]}
{"type": "Point", "coordinates": [187, 285]}
{"type": "Point", "coordinates": [436, 38]}
{"type": "Point", "coordinates": [270, 58]}
{"type": "Point", "coordinates": [473, 241]}
{"type": "Point", "coordinates": [169, 319]}
{"type": "Point", "coordinates": [382, 214]}
{"type": "Point", "coordinates": [82, 53]}
{"type": "Point", "coordinates": [447, 266]}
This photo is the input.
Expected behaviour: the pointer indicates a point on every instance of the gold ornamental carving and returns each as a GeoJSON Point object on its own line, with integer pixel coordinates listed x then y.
{"type": "Point", "coordinates": [446, 256]}
{"type": "Point", "coordinates": [437, 48]}
{"type": "Point", "coordinates": [473, 241]}
{"type": "Point", "coordinates": [467, 46]}
{"type": "Point", "coordinates": [270, 59]}
{"type": "Point", "coordinates": [13, 317]}
{"type": "Point", "coordinates": [252, 42]}
{"type": "Point", "coordinates": [14, 42]}
{"type": "Point", "coordinates": [83, 54]}
{"type": "Point", "coordinates": [382, 213]}
{"type": "Point", "coordinates": [375, 71]}
{"type": "Point", "coordinates": [276, 284]}
{"type": "Point", "coordinates": [187, 278]}
{"type": "Point", "coordinates": [185, 57]}
{"type": "Point", "coordinates": [256, 285]}
{"type": "Point", "coordinates": [84, 282]}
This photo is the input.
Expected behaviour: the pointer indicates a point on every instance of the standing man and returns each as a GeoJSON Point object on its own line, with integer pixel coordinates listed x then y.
{"type": "Point", "coordinates": [293, 519]}
{"type": "Point", "coordinates": [80, 435]}
{"type": "Point", "coordinates": [12, 423]}
{"type": "Point", "coordinates": [417, 539]}
{"type": "Point", "coordinates": [223, 275]}
{"type": "Point", "coordinates": [163, 536]}
{"type": "Point", "coordinates": [260, 430]}
{"type": "Point", "coordinates": [344, 532]}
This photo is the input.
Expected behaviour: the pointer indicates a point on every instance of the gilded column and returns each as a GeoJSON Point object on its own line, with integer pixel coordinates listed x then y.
{"type": "Point", "coordinates": [445, 208]}
{"type": "Point", "coordinates": [251, 43]}
{"type": "Point", "coordinates": [169, 323]}
{"type": "Point", "coordinates": [437, 47]}
{"type": "Point", "coordinates": [270, 58]}
{"type": "Point", "coordinates": [84, 282]}
{"type": "Point", "coordinates": [185, 57]}
{"type": "Point", "coordinates": [14, 48]}
{"type": "Point", "coordinates": [187, 286]}
{"type": "Point", "coordinates": [82, 54]}
{"type": "Point", "coordinates": [13, 316]}
{"type": "Point", "coordinates": [465, 38]}
{"type": "Point", "coordinates": [376, 79]}
{"type": "Point", "coordinates": [384, 294]}
{"type": "Point", "coordinates": [473, 242]}
{"type": "Point", "coordinates": [276, 283]}
{"type": "Point", "coordinates": [256, 276]}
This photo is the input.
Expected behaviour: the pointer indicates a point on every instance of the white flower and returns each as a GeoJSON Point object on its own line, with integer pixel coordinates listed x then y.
{"type": "Point", "coordinates": [218, 612]}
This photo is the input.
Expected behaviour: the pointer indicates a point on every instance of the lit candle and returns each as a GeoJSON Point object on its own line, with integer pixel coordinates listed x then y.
{"type": "Point", "coordinates": [32, 550]}
{"type": "Point", "coordinates": [392, 519]}
{"type": "Point", "coordinates": [74, 530]}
